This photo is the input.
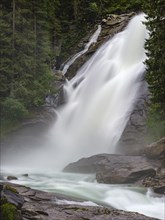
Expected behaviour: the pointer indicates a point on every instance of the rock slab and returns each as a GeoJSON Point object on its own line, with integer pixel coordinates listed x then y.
{"type": "Point", "coordinates": [114, 169]}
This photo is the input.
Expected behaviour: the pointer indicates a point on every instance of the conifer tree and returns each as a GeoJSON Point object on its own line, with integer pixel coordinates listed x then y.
{"type": "Point", "coordinates": [155, 10]}
{"type": "Point", "coordinates": [5, 52]}
{"type": "Point", "coordinates": [25, 51]}
{"type": "Point", "coordinates": [22, 48]}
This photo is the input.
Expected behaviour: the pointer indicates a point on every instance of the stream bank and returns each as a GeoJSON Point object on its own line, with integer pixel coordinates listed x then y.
{"type": "Point", "coordinates": [35, 204]}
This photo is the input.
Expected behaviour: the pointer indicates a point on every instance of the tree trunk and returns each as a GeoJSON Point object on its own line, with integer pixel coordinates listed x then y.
{"type": "Point", "coordinates": [75, 7]}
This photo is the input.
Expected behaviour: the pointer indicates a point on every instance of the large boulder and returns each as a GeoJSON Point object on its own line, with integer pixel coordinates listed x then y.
{"type": "Point", "coordinates": [114, 169]}
{"type": "Point", "coordinates": [156, 150]}
{"type": "Point", "coordinates": [156, 153]}
{"type": "Point", "coordinates": [10, 194]}
{"type": "Point", "coordinates": [157, 183]}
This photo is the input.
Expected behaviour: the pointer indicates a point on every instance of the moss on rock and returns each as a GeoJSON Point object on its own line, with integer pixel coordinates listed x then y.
{"type": "Point", "coordinates": [8, 211]}
{"type": "Point", "coordinates": [11, 189]}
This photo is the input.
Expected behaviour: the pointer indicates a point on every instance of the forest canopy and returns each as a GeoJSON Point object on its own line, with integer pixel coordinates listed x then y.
{"type": "Point", "coordinates": [155, 76]}
{"type": "Point", "coordinates": [36, 34]}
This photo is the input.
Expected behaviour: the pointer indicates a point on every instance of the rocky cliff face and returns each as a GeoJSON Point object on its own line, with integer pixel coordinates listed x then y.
{"type": "Point", "coordinates": [132, 141]}
{"type": "Point", "coordinates": [111, 25]}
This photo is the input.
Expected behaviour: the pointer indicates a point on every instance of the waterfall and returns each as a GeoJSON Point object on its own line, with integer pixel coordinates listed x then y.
{"type": "Point", "coordinates": [93, 39]}
{"type": "Point", "coordinates": [100, 99]}
{"type": "Point", "coordinates": [101, 96]}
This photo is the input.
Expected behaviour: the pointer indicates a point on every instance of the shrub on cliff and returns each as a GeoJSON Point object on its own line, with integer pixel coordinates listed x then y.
{"type": "Point", "coordinates": [13, 110]}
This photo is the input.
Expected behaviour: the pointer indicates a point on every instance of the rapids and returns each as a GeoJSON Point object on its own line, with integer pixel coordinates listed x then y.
{"type": "Point", "coordinates": [84, 186]}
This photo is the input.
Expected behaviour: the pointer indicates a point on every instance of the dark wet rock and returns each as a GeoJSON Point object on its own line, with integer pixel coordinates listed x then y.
{"type": "Point", "coordinates": [157, 183]}
{"type": "Point", "coordinates": [156, 153]}
{"type": "Point", "coordinates": [104, 20]}
{"type": "Point", "coordinates": [28, 193]}
{"type": "Point", "coordinates": [91, 164]}
{"type": "Point", "coordinates": [133, 139]}
{"type": "Point", "coordinates": [124, 175]}
{"type": "Point", "coordinates": [110, 26]}
{"type": "Point", "coordinates": [48, 208]}
{"type": "Point", "coordinates": [25, 175]}
{"type": "Point", "coordinates": [94, 213]}
{"type": "Point", "coordinates": [11, 178]}
{"type": "Point", "coordinates": [114, 169]}
{"type": "Point", "coordinates": [156, 150]}
{"type": "Point", "coordinates": [161, 170]}
{"type": "Point", "coordinates": [10, 195]}
{"type": "Point", "coordinates": [114, 20]}
{"type": "Point", "coordinates": [1, 187]}
{"type": "Point", "coordinates": [160, 189]}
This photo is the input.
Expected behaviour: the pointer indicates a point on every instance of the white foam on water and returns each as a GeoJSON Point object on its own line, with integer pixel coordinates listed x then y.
{"type": "Point", "coordinates": [84, 186]}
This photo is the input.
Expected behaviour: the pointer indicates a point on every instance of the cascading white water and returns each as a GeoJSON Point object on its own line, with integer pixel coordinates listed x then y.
{"type": "Point", "coordinates": [92, 40]}
{"type": "Point", "coordinates": [107, 87]}
{"type": "Point", "coordinates": [99, 101]}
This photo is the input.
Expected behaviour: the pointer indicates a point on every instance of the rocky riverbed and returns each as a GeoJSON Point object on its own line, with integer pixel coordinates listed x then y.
{"type": "Point", "coordinates": [23, 203]}
{"type": "Point", "coordinates": [145, 171]}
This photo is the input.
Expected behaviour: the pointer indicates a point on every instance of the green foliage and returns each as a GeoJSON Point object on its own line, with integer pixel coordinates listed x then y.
{"type": "Point", "coordinates": [34, 35]}
{"type": "Point", "coordinates": [8, 211]}
{"type": "Point", "coordinates": [13, 110]}
{"type": "Point", "coordinates": [77, 17]}
{"type": "Point", "coordinates": [118, 6]}
{"type": "Point", "coordinates": [10, 188]}
{"type": "Point", "coordinates": [155, 76]}
{"type": "Point", "coordinates": [155, 123]}
{"type": "Point", "coordinates": [92, 12]}
{"type": "Point", "coordinates": [25, 70]}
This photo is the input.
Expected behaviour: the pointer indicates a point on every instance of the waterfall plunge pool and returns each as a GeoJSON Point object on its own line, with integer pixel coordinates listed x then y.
{"type": "Point", "coordinates": [84, 186]}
